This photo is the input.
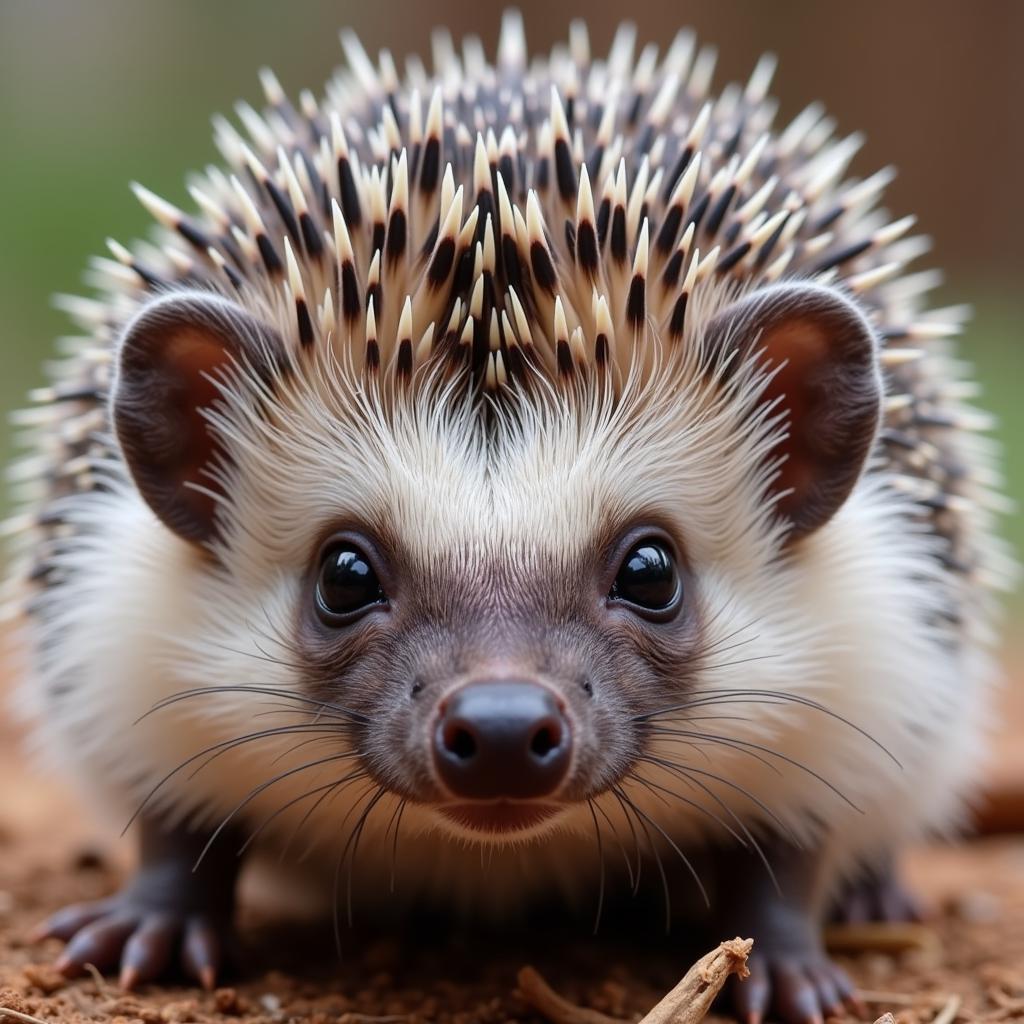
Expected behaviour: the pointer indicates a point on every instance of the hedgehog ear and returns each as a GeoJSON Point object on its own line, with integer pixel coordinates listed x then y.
{"type": "Point", "coordinates": [172, 361]}
{"type": "Point", "coordinates": [822, 359]}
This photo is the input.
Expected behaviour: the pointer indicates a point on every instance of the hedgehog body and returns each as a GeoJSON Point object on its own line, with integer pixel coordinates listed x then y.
{"type": "Point", "coordinates": [494, 317]}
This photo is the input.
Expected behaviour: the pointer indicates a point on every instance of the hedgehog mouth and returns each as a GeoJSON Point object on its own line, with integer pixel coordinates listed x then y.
{"type": "Point", "coordinates": [499, 817]}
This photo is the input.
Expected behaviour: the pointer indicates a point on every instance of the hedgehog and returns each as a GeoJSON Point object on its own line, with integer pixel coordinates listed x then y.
{"type": "Point", "coordinates": [546, 463]}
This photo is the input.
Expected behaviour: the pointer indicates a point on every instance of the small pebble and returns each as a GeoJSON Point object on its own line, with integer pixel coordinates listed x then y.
{"type": "Point", "coordinates": [227, 1001]}
{"type": "Point", "coordinates": [44, 977]}
{"type": "Point", "coordinates": [271, 1003]}
{"type": "Point", "coordinates": [975, 906]}
{"type": "Point", "coordinates": [89, 858]}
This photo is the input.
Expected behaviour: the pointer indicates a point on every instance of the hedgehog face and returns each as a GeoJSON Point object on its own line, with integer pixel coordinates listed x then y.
{"type": "Point", "coordinates": [502, 589]}
{"type": "Point", "coordinates": [501, 684]}
{"type": "Point", "coordinates": [451, 354]}
{"type": "Point", "coordinates": [520, 587]}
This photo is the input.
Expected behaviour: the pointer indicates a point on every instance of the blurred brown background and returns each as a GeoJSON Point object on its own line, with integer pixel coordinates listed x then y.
{"type": "Point", "coordinates": [94, 94]}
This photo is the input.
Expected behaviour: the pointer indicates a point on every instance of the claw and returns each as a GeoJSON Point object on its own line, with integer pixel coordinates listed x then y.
{"type": "Point", "coordinates": [142, 942]}
{"type": "Point", "coordinates": [201, 952]}
{"type": "Point", "coordinates": [65, 923]}
{"type": "Point", "coordinates": [751, 995]}
{"type": "Point", "coordinates": [149, 948]}
{"type": "Point", "coordinates": [797, 988]}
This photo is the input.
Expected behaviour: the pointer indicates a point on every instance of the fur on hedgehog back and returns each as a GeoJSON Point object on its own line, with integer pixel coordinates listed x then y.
{"type": "Point", "coordinates": [484, 291]}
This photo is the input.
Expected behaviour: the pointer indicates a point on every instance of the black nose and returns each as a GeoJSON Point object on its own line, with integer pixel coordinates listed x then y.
{"type": "Point", "coordinates": [502, 739]}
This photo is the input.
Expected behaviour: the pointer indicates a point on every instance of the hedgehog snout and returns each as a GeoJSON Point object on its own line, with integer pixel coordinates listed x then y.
{"type": "Point", "coordinates": [504, 739]}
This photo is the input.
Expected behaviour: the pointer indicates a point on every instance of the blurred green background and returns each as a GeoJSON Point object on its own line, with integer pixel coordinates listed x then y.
{"type": "Point", "coordinates": [94, 94]}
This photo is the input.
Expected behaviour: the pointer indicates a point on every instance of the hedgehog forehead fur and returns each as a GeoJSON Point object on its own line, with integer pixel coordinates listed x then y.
{"type": "Point", "coordinates": [498, 256]}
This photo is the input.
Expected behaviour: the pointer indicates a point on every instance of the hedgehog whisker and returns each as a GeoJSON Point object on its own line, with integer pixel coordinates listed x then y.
{"type": "Point", "coordinates": [221, 747]}
{"type": "Point", "coordinates": [657, 789]}
{"type": "Point", "coordinates": [718, 666]}
{"type": "Point", "coordinates": [616, 792]}
{"type": "Point", "coordinates": [721, 647]}
{"type": "Point", "coordinates": [600, 859]}
{"type": "Point", "coordinates": [753, 798]}
{"type": "Point", "coordinates": [261, 788]}
{"type": "Point", "coordinates": [748, 746]}
{"type": "Point", "coordinates": [716, 718]}
{"type": "Point", "coordinates": [695, 742]}
{"type": "Point", "coordinates": [675, 846]}
{"type": "Point", "coordinates": [283, 709]}
{"type": "Point", "coordinates": [716, 647]}
{"type": "Point", "coordinates": [208, 691]}
{"type": "Point", "coordinates": [319, 731]}
{"type": "Point", "coordinates": [374, 792]}
{"type": "Point", "coordinates": [750, 839]}
{"type": "Point", "coordinates": [328, 794]}
{"type": "Point", "coordinates": [358, 833]}
{"type": "Point", "coordinates": [396, 822]}
{"type": "Point", "coordinates": [330, 734]}
{"type": "Point", "coordinates": [640, 817]}
{"type": "Point", "coordinates": [273, 634]}
{"type": "Point", "coordinates": [265, 823]}
{"type": "Point", "coordinates": [754, 696]}
{"type": "Point", "coordinates": [339, 863]}
{"type": "Point", "coordinates": [263, 656]}
{"type": "Point", "coordinates": [664, 834]}
{"type": "Point", "coordinates": [595, 803]}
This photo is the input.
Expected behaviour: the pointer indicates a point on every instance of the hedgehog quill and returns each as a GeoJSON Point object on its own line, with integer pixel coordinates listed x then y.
{"type": "Point", "coordinates": [549, 458]}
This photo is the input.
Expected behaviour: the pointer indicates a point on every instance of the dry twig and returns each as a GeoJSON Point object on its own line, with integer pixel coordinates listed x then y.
{"type": "Point", "coordinates": [946, 1013]}
{"type": "Point", "coordinates": [949, 1011]}
{"type": "Point", "coordinates": [881, 937]}
{"type": "Point", "coordinates": [881, 998]}
{"type": "Point", "coordinates": [557, 1009]}
{"type": "Point", "coordinates": [25, 1018]}
{"type": "Point", "coordinates": [690, 1001]}
{"type": "Point", "coordinates": [98, 979]}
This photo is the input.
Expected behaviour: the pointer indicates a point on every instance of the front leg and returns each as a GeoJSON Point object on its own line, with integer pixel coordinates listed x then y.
{"type": "Point", "coordinates": [790, 973]}
{"type": "Point", "coordinates": [170, 911]}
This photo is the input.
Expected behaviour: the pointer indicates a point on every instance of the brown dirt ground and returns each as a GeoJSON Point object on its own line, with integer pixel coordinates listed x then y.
{"type": "Point", "coordinates": [966, 965]}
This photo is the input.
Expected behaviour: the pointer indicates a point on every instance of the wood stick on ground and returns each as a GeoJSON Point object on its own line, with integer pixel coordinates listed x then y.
{"type": "Point", "coordinates": [880, 937]}
{"type": "Point", "coordinates": [948, 1012]}
{"type": "Point", "coordinates": [101, 985]}
{"type": "Point", "coordinates": [687, 1003]}
{"type": "Point", "coordinates": [25, 1018]}
{"type": "Point", "coordinates": [896, 998]}
{"type": "Point", "coordinates": [690, 1001]}
{"type": "Point", "coordinates": [557, 1009]}
{"type": "Point", "coordinates": [948, 1006]}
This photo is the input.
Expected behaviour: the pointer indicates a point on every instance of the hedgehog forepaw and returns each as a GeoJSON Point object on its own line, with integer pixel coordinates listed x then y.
{"type": "Point", "coordinates": [175, 913]}
{"type": "Point", "coordinates": [794, 986]}
{"type": "Point", "coordinates": [142, 943]}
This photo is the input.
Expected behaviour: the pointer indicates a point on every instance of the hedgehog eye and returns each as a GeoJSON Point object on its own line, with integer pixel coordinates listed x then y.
{"type": "Point", "coordinates": [648, 579]}
{"type": "Point", "coordinates": [347, 586]}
